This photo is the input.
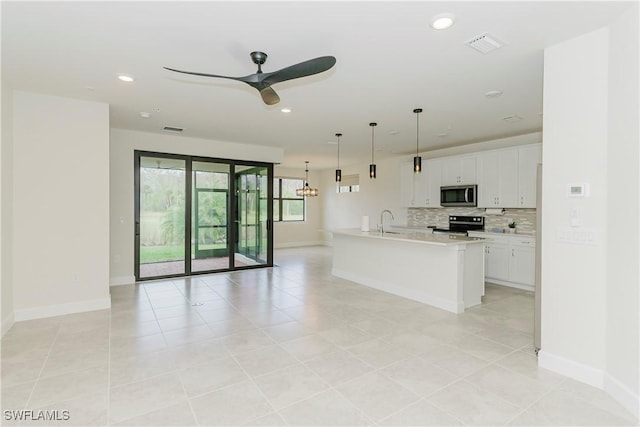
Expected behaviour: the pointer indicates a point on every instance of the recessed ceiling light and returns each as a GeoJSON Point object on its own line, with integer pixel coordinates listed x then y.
{"type": "Point", "coordinates": [144, 115]}
{"type": "Point", "coordinates": [393, 132]}
{"type": "Point", "coordinates": [286, 110]}
{"type": "Point", "coordinates": [493, 93]}
{"type": "Point", "coordinates": [512, 119]}
{"type": "Point", "coordinates": [442, 21]}
{"type": "Point", "coordinates": [125, 78]}
{"type": "Point", "coordinates": [443, 135]}
{"type": "Point", "coordinates": [332, 142]}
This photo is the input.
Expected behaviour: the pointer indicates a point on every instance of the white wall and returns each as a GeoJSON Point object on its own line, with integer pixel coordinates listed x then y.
{"type": "Point", "coordinates": [6, 219]}
{"type": "Point", "coordinates": [300, 233]}
{"type": "Point", "coordinates": [590, 292]}
{"type": "Point", "coordinates": [60, 205]}
{"type": "Point", "coordinates": [623, 258]}
{"type": "Point", "coordinates": [121, 155]}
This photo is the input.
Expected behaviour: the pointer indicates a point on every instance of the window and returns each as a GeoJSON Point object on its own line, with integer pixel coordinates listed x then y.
{"type": "Point", "coordinates": [286, 205]}
{"type": "Point", "coordinates": [349, 184]}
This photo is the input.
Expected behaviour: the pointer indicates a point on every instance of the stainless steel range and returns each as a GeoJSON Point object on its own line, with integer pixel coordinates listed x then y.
{"type": "Point", "coordinates": [460, 224]}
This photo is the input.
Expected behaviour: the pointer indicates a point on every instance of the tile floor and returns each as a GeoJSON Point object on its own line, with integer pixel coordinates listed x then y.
{"type": "Point", "coordinates": [291, 345]}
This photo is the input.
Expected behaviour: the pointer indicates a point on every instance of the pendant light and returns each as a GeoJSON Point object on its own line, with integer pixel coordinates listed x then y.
{"type": "Point", "coordinates": [372, 166]}
{"type": "Point", "coordinates": [306, 191]}
{"type": "Point", "coordinates": [417, 160]}
{"type": "Point", "coordinates": [338, 171]}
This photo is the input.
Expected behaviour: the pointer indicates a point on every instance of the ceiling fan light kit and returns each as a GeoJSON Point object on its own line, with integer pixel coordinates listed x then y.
{"type": "Point", "coordinates": [263, 81]}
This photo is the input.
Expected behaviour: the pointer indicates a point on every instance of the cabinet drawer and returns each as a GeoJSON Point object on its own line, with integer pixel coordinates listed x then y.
{"type": "Point", "coordinates": [523, 241]}
{"type": "Point", "coordinates": [490, 238]}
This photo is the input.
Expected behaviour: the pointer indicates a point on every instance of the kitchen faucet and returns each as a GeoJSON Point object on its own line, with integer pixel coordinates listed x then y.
{"type": "Point", "coordinates": [382, 219]}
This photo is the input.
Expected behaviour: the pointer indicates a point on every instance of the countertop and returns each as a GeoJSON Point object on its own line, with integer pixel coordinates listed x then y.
{"type": "Point", "coordinates": [414, 237]}
{"type": "Point", "coordinates": [507, 234]}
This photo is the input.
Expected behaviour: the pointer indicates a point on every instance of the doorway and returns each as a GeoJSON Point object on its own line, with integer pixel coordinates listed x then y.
{"type": "Point", "coordinates": [201, 215]}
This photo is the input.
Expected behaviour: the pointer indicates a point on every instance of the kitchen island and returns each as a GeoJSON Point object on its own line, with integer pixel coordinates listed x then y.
{"type": "Point", "coordinates": [445, 271]}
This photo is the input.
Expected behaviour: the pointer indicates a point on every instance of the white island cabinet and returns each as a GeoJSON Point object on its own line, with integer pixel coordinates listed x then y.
{"type": "Point", "coordinates": [440, 270]}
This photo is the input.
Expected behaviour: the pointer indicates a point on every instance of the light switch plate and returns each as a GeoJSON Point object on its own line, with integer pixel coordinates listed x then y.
{"type": "Point", "coordinates": [578, 190]}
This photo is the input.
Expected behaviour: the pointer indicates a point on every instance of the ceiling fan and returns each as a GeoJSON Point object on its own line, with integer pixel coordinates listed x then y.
{"type": "Point", "coordinates": [263, 81]}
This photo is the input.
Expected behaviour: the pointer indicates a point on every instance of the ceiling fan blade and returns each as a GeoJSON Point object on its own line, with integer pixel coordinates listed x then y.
{"type": "Point", "coordinates": [204, 74]}
{"type": "Point", "coordinates": [269, 96]}
{"type": "Point", "coordinates": [303, 69]}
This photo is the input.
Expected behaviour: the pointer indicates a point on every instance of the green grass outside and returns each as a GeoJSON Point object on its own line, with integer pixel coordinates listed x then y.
{"type": "Point", "coordinates": [149, 254]}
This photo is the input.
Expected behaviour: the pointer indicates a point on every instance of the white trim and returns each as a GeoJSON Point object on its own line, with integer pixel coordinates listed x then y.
{"type": "Point", "coordinates": [7, 323]}
{"type": "Point", "coordinates": [594, 377]}
{"type": "Point", "coordinates": [122, 280]}
{"type": "Point", "coordinates": [61, 309]}
{"type": "Point", "coordinates": [297, 244]}
{"type": "Point", "coordinates": [452, 306]}
{"type": "Point", "coordinates": [530, 288]}
{"type": "Point", "coordinates": [572, 369]}
{"type": "Point", "coordinates": [622, 394]}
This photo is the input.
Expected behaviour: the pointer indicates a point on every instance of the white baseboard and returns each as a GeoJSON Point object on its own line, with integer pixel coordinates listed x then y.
{"type": "Point", "coordinates": [530, 288]}
{"type": "Point", "coordinates": [592, 376]}
{"type": "Point", "coordinates": [122, 280]}
{"type": "Point", "coordinates": [297, 244]}
{"type": "Point", "coordinates": [622, 394]}
{"type": "Point", "coordinates": [61, 309]}
{"type": "Point", "coordinates": [451, 306]}
{"type": "Point", "coordinates": [7, 323]}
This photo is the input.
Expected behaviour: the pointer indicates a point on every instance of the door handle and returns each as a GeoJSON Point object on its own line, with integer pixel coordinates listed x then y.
{"type": "Point", "coordinates": [466, 195]}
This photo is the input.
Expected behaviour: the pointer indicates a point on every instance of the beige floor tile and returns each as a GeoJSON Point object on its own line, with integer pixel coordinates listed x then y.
{"type": "Point", "coordinates": [421, 413]}
{"type": "Point", "coordinates": [287, 331]}
{"type": "Point", "coordinates": [15, 397]}
{"type": "Point", "coordinates": [265, 360]}
{"type": "Point", "coordinates": [200, 379]}
{"type": "Point", "coordinates": [376, 395]}
{"type": "Point", "coordinates": [247, 341]}
{"type": "Point", "coordinates": [187, 335]}
{"type": "Point", "coordinates": [412, 342]}
{"type": "Point", "coordinates": [328, 408]}
{"type": "Point", "coordinates": [70, 360]}
{"type": "Point", "coordinates": [272, 419]}
{"type": "Point", "coordinates": [527, 364]}
{"type": "Point", "coordinates": [511, 386]}
{"type": "Point", "coordinates": [472, 405]}
{"type": "Point", "coordinates": [338, 367]}
{"type": "Point", "coordinates": [594, 396]}
{"type": "Point", "coordinates": [176, 416]}
{"type": "Point", "coordinates": [87, 410]}
{"type": "Point", "coordinates": [233, 405]}
{"type": "Point", "coordinates": [18, 370]}
{"type": "Point", "coordinates": [136, 368]}
{"type": "Point", "coordinates": [132, 346]}
{"type": "Point", "coordinates": [198, 352]}
{"type": "Point", "coordinates": [309, 347]}
{"type": "Point", "coordinates": [482, 348]}
{"type": "Point", "coordinates": [418, 375]}
{"type": "Point", "coordinates": [378, 327]}
{"type": "Point", "coordinates": [288, 386]}
{"type": "Point", "coordinates": [378, 353]}
{"type": "Point", "coordinates": [139, 398]}
{"type": "Point", "coordinates": [65, 387]}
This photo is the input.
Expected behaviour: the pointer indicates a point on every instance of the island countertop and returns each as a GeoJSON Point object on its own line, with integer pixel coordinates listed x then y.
{"type": "Point", "coordinates": [415, 237]}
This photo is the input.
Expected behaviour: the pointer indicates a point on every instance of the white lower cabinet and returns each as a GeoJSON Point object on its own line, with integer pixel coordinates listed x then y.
{"type": "Point", "coordinates": [509, 259]}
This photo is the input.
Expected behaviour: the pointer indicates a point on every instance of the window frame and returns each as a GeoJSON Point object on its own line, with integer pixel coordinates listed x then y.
{"type": "Point", "coordinates": [277, 187]}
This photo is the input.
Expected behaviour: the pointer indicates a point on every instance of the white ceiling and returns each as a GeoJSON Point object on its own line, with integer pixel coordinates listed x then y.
{"type": "Point", "coordinates": [389, 61]}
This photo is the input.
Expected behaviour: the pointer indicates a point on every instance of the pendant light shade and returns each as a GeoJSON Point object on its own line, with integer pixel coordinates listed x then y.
{"type": "Point", "coordinates": [338, 171]}
{"type": "Point", "coordinates": [372, 166]}
{"type": "Point", "coordinates": [306, 191]}
{"type": "Point", "coordinates": [417, 160]}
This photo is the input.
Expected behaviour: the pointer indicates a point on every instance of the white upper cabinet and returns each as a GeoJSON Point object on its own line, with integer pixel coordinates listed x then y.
{"type": "Point", "coordinates": [420, 190]}
{"type": "Point", "coordinates": [528, 158]}
{"type": "Point", "coordinates": [407, 184]}
{"type": "Point", "coordinates": [432, 178]}
{"type": "Point", "coordinates": [498, 178]}
{"type": "Point", "coordinates": [459, 170]}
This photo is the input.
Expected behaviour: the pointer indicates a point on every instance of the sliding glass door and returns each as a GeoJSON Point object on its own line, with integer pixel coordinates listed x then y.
{"type": "Point", "coordinates": [199, 215]}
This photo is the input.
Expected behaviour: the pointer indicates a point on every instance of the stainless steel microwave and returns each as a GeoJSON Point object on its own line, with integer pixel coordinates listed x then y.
{"type": "Point", "coordinates": [459, 195]}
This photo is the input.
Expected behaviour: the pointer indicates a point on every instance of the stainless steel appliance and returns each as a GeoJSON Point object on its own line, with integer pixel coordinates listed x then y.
{"type": "Point", "coordinates": [460, 224]}
{"type": "Point", "coordinates": [459, 195]}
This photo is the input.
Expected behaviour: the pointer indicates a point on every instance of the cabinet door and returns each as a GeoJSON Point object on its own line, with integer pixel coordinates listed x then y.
{"type": "Point", "coordinates": [508, 179]}
{"type": "Point", "coordinates": [497, 261]}
{"type": "Point", "coordinates": [528, 159]}
{"type": "Point", "coordinates": [522, 265]}
{"type": "Point", "coordinates": [488, 179]}
{"type": "Point", "coordinates": [451, 171]}
{"type": "Point", "coordinates": [468, 170]}
{"type": "Point", "coordinates": [432, 175]}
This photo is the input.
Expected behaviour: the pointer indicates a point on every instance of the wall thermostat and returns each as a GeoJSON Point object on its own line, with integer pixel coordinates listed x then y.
{"type": "Point", "coordinates": [578, 190]}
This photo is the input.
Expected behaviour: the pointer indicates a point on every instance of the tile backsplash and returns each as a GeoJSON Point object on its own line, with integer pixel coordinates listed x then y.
{"type": "Point", "coordinates": [424, 217]}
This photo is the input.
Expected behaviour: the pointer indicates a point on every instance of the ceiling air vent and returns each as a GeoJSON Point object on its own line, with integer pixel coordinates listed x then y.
{"type": "Point", "coordinates": [172, 129]}
{"type": "Point", "coordinates": [484, 43]}
{"type": "Point", "coordinates": [512, 119]}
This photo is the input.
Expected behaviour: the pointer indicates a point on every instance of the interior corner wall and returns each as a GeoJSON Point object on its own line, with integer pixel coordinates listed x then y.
{"type": "Point", "coordinates": [6, 218]}
{"type": "Point", "coordinates": [121, 156]}
{"type": "Point", "coordinates": [60, 205]}
{"type": "Point", "coordinates": [300, 233]}
{"type": "Point", "coordinates": [575, 152]}
{"type": "Point", "coordinates": [623, 228]}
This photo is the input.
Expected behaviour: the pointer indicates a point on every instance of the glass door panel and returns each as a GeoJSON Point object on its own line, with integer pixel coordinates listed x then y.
{"type": "Point", "coordinates": [160, 228]}
{"type": "Point", "coordinates": [252, 223]}
{"type": "Point", "coordinates": [210, 219]}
